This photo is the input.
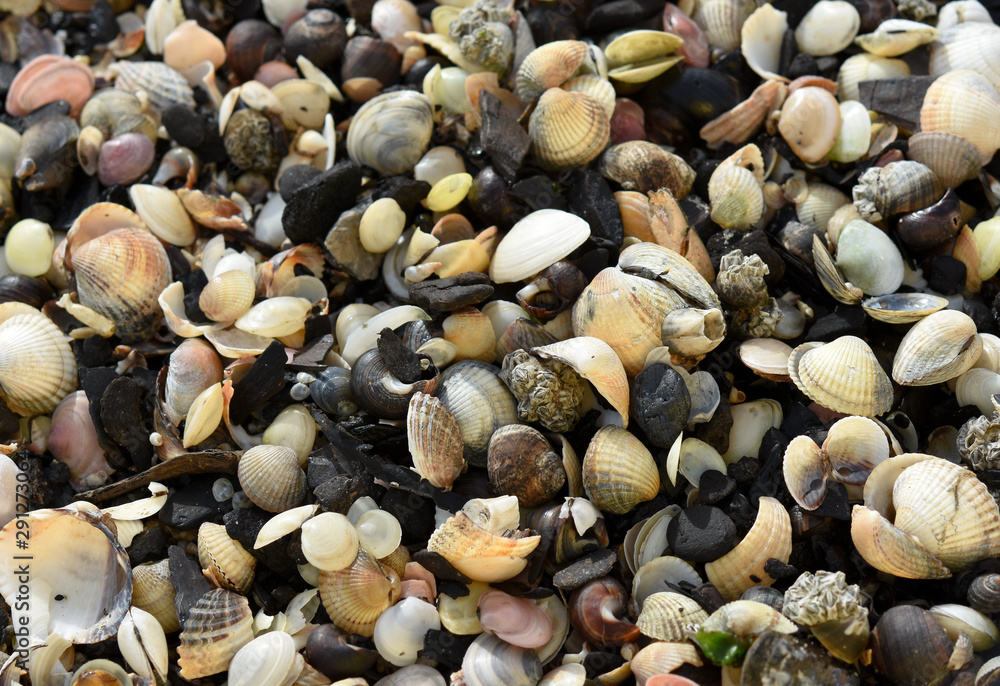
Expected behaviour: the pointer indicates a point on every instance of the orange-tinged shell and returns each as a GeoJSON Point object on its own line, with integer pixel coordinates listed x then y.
{"type": "Point", "coordinates": [435, 441]}
{"type": "Point", "coordinates": [227, 296]}
{"type": "Point", "coordinates": [480, 554]}
{"type": "Point", "coordinates": [662, 658]}
{"type": "Point", "coordinates": [632, 206]}
{"type": "Point", "coordinates": [743, 566]}
{"type": "Point", "coordinates": [224, 561]}
{"type": "Point", "coordinates": [967, 252]}
{"type": "Point", "coordinates": [48, 78]}
{"type": "Point", "coordinates": [619, 471]}
{"type": "Point", "coordinates": [842, 375]}
{"type": "Point", "coordinates": [568, 129]}
{"type": "Point", "coordinates": [809, 123]}
{"type": "Point", "coordinates": [218, 625]}
{"type": "Point", "coordinates": [37, 366]}
{"type": "Point", "coordinates": [97, 220]}
{"type": "Point", "coordinates": [355, 597]}
{"type": "Point", "coordinates": [959, 103]}
{"type": "Point", "coordinates": [548, 66]}
{"type": "Point", "coordinates": [272, 478]}
{"type": "Point", "coordinates": [120, 275]}
{"type": "Point", "coordinates": [739, 124]}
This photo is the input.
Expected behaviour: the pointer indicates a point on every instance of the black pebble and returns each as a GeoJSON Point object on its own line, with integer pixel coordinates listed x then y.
{"type": "Point", "coordinates": [947, 275]}
{"type": "Point", "coordinates": [835, 505]}
{"type": "Point", "coordinates": [701, 534]}
{"type": "Point", "coordinates": [982, 315]}
{"type": "Point", "coordinates": [592, 566]}
{"type": "Point", "coordinates": [188, 507]}
{"type": "Point", "coordinates": [189, 583]}
{"type": "Point", "coordinates": [502, 137]}
{"type": "Point", "coordinates": [101, 24]}
{"type": "Point", "coordinates": [296, 176]}
{"type": "Point", "coordinates": [446, 648]}
{"type": "Point", "coordinates": [148, 545]}
{"type": "Point", "coordinates": [315, 206]}
{"type": "Point", "coordinates": [590, 197]}
{"type": "Point", "coordinates": [618, 14]}
{"type": "Point", "coordinates": [184, 125]}
{"type": "Point", "coordinates": [714, 486]}
{"type": "Point", "coordinates": [844, 321]}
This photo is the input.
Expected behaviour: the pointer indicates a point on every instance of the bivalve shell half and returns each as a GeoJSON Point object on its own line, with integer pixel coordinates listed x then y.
{"type": "Point", "coordinates": [903, 308]}
{"type": "Point", "coordinates": [163, 213]}
{"type": "Point", "coordinates": [895, 37]}
{"type": "Point", "coordinates": [595, 361]}
{"type": "Point", "coordinates": [48, 78]}
{"type": "Point", "coordinates": [218, 625]}
{"type": "Point", "coordinates": [866, 67]}
{"type": "Point", "coordinates": [479, 553]}
{"type": "Point", "coordinates": [435, 441]}
{"type": "Point", "coordinates": [743, 566]}
{"type": "Point", "coordinates": [271, 658]}
{"type": "Point", "coordinates": [868, 259]}
{"type": "Point", "coordinates": [227, 296]}
{"type": "Point", "coordinates": [272, 478]}
{"type": "Point", "coordinates": [722, 21]}
{"type": "Point", "coordinates": [618, 471]}
{"type": "Point", "coordinates": [329, 541]}
{"type": "Point", "coordinates": [828, 27]}
{"type": "Point", "coordinates": [736, 197]}
{"type": "Point", "coordinates": [760, 39]}
{"type": "Point", "coordinates": [810, 122]}
{"type": "Point", "coordinates": [481, 403]}
{"type": "Point", "coordinates": [568, 129]}
{"type": "Point", "coordinates": [536, 242]}
{"type": "Point", "coordinates": [37, 367]}
{"type": "Point", "coordinates": [958, 103]}
{"type": "Point", "coordinates": [669, 616]}
{"type": "Point", "coordinates": [153, 591]}
{"type": "Point", "coordinates": [843, 375]}
{"type": "Point", "coordinates": [952, 158]}
{"type": "Point", "coordinates": [390, 132]}
{"type": "Point", "coordinates": [939, 347]}
{"type": "Point", "coordinates": [163, 85]}
{"type": "Point", "coordinates": [356, 596]}
{"type": "Point", "coordinates": [548, 66]}
{"type": "Point", "coordinates": [224, 561]}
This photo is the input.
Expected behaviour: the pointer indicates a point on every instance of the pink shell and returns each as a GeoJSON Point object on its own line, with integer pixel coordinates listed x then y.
{"type": "Point", "coordinates": [628, 123]}
{"type": "Point", "coordinates": [515, 620]}
{"type": "Point", "coordinates": [73, 439]}
{"type": "Point", "coordinates": [48, 78]}
{"type": "Point", "coordinates": [695, 50]}
{"type": "Point", "coordinates": [125, 159]}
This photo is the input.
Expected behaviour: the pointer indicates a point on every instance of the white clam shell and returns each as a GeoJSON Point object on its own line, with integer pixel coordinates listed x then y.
{"type": "Point", "coordinates": [538, 241]}
{"type": "Point", "coordinates": [868, 258]}
{"type": "Point", "coordinates": [761, 35]}
{"type": "Point", "coordinates": [276, 317]}
{"type": "Point", "coordinates": [399, 632]}
{"type": "Point", "coordinates": [270, 658]}
{"type": "Point", "coordinates": [143, 644]}
{"type": "Point", "coordinates": [391, 131]}
{"type": "Point", "coordinates": [829, 27]}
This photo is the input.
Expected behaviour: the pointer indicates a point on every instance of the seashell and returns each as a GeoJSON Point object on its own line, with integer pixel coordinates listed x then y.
{"type": "Point", "coordinates": [489, 660]}
{"type": "Point", "coordinates": [662, 657]}
{"type": "Point", "coordinates": [618, 471]}
{"type": "Point", "coordinates": [641, 55]}
{"type": "Point", "coordinates": [522, 463]}
{"type": "Point", "coordinates": [957, 103]}
{"type": "Point", "coordinates": [854, 446]}
{"type": "Point", "coordinates": [227, 296]}
{"type": "Point", "coordinates": [305, 103]}
{"type": "Point", "coordinates": [124, 159]}
{"type": "Point", "coordinates": [368, 65]}
{"type": "Point", "coordinates": [224, 561]}
{"type": "Point", "coordinates": [816, 368]}
{"type": "Point", "coordinates": [967, 46]}
{"type": "Point", "coordinates": [153, 591]}
{"type": "Point", "coordinates": [293, 428]}
{"type": "Point", "coordinates": [828, 27]}
{"type": "Point", "coordinates": [363, 337]}
{"type": "Point", "coordinates": [399, 632]}
{"type": "Point", "coordinates": [193, 367]}
{"type": "Point", "coordinates": [517, 621]}
{"type": "Point", "coordinates": [28, 247]}
{"type": "Point", "coordinates": [48, 78]}
{"type": "Point", "coordinates": [959, 619]}
{"type": "Point", "coordinates": [271, 477]}
{"type": "Point", "coordinates": [695, 50]}
{"type": "Point", "coordinates": [203, 415]}
{"type": "Point", "coordinates": [869, 259]}
{"type": "Point", "coordinates": [270, 658]}
{"type": "Point", "coordinates": [164, 86]}
{"type": "Point", "coordinates": [275, 317]}
{"type": "Point", "coordinates": [597, 612]}
{"type": "Point", "coordinates": [378, 531]}
{"type": "Point", "coordinates": [760, 41]}
{"type": "Point", "coordinates": [830, 276]}
{"type": "Point", "coordinates": [391, 131]}
{"type": "Point", "coordinates": [933, 225]}
{"type": "Point", "coordinates": [736, 197]}
{"type": "Point", "coordinates": [866, 67]}
{"type": "Point", "coordinates": [379, 392]}
{"type": "Point", "coordinates": [643, 166]}
{"type": "Point", "coordinates": [548, 66]}
{"type": "Point", "coordinates": [658, 574]}
{"type": "Point", "coordinates": [939, 347]}
{"type": "Point", "coordinates": [552, 234]}
{"type": "Point", "coordinates": [45, 145]}
{"type": "Point", "coordinates": [357, 595]}
{"type": "Point", "coordinates": [806, 471]}
{"type": "Point", "coordinates": [670, 616]}
{"type": "Point", "coordinates": [189, 44]}
{"type": "Point", "coordinates": [163, 214]}
{"type": "Point", "coordinates": [73, 440]}
{"type": "Point", "coordinates": [480, 402]}
{"type": "Point", "coordinates": [37, 367]}
{"type": "Point", "coordinates": [809, 123]}
{"type": "Point", "coordinates": [982, 593]}
{"type": "Point", "coordinates": [435, 441]}
{"type": "Point", "coordinates": [739, 124]}
{"type": "Point", "coordinates": [95, 596]}
{"type": "Point", "coordinates": [903, 308]}
{"type": "Point", "coordinates": [744, 618]}
{"type": "Point", "coordinates": [895, 37]}
{"type": "Point", "coordinates": [855, 133]}
{"type": "Point", "coordinates": [966, 252]}
{"type": "Point", "coordinates": [471, 332]}
{"type": "Point", "coordinates": [952, 158]}
{"type": "Point", "coordinates": [392, 18]}
{"type": "Point", "coordinates": [977, 387]}
{"type": "Point", "coordinates": [743, 566]}
{"type": "Point", "coordinates": [218, 625]}
{"type": "Point", "coordinates": [766, 357]}
{"type": "Point", "coordinates": [722, 21]}
{"type": "Point", "coordinates": [751, 420]}
{"type": "Point", "coordinates": [594, 360]}
{"type": "Point", "coordinates": [593, 85]}
{"type": "Point", "coordinates": [568, 129]}
{"type": "Point", "coordinates": [479, 553]}
{"type": "Point", "coordinates": [896, 187]}
{"type": "Point", "coordinates": [143, 644]}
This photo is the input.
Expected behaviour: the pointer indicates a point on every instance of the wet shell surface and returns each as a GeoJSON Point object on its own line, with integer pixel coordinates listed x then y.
{"type": "Point", "coordinates": [941, 346]}
{"type": "Point", "coordinates": [843, 375]}
{"type": "Point", "coordinates": [391, 131]}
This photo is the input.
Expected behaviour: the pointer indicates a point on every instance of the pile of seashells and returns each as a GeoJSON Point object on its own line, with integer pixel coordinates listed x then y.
{"type": "Point", "coordinates": [499, 344]}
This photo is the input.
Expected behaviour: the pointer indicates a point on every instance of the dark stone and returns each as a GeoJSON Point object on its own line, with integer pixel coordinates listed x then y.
{"type": "Point", "coordinates": [293, 178]}
{"type": "Point", "coordinates": [716, 431]}
{"type": "Point", "coordinates": [802, 64]}
{"type": "Point", "coordinates": [590, 197]}
{"type": "Point", "coordinates": [264, 380]}
{"type": "Point", "coordinates": [405, 191]}
{"type": "Point", "coordinates": [777, 569]}
{"type": "Point", "coordinates": [981, 314]}
{"type": "Point", "coordinates": [121, 415]}
{"type": "Point", "coordinates": [340, 492]}
{"type": "Point", "coordinates": [187, 508]}
{"type": "Point", "coordinates": [659, 403]}
{"type": "Point", "coordinates": [701, 534]}
{"type": "Point", "coordinates": [446, 648]}
{"type": "Point", "coordinates": [843, 321]}
{"type": "Point", "coordinates": [189, 583]}
{"type": "Point", "coordinates": [947, 276]}
{"type": "Point", "coordinates": [548, 25]}
{"type": "Point", "coordinates": [502, 137]}
{"type": "Point", "coordinates": [619, 14]}
{"type": "Point", "coordinates": [415, 514]}
{"type": "Point", "coordinates": [452, 589]}
{"type": "Point", "coordinates": [10, 423]}
{"type": "Point", "coordinates": [798, 419]}
{"type": "Point", "coordinates": [400, 361]}
{"type": "Point", "coordinates": [539, 193]}
{"type": "Point", "coordinates": [836, 504]}
{"type": "Point", "coordinates": [149, 545]}
{"type": "Point", "coordinates": [315, 206]}
{"type": "Point", "coordinates": [898, 100]}
{"type": "Point", "coordinates": [745, 470]}
{"type": "Point", "coordinates": [184, 125]}
{"type": "Point", "coordinates": [595, 565]}
{"type": "Point", "coordinates": [328, 651]}
{"type": "Point", "coordinates": [94, 382]}
{"type": "Point", "coordinates": [770, 480]}
{"type": "Point", "coordinates": [244, 523]}
{"type": "Point", "coordinates": [439, 567]}
{"type": "Point", "coordinates": [451, 293]}
{"type": "Point", "coordinates": [714, 486]}
{"type": "Point", "coordinates": [321, 467]}
{"type": "Point", "coordinates": [101, 22]}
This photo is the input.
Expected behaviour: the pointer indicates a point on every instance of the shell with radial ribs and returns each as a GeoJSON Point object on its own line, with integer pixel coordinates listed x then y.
{"type": "Point", "coordinates": [356, 596]}
{"type": "Point", "coordinates": [819, 371]}
{"type": "Point", "coordinates": [939, 347]}
{"type": "Point", "coordinates": [272, 478]}
{"type": "Point", "coordinates": [218, 625]}
{"type": "Point", "coordinates": [37, 367]}
{"type": "Point", "coordinates": [435, 441]}
{"type": "Point", "coordinates": [224, 561]}
{"type": "Point", "coordinates": [568, 129]}
{"type": "Point", "coordinates": [744, 566]}
{"type": "Point", "coordinates": [619, 472]}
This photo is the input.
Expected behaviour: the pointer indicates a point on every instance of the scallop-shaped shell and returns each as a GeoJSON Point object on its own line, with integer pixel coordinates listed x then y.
{"type": "Point", "coordinates": [739, 124]}
{"type": "Point", "coordinates": [37, 367]}
{"type": "Point", "coordinates": [548, 66]}
{"type": "Point", "coordinates": [120, 275]}
{"type": "Point", "coordinates": [435, 441]}
{"type": "Point", "coordinates": [842, 375]}
{"type": "Point", "coordinates": [958, 103]}
{"type": "Point", "coordinates": [662, 657]}
{"type": "Point", "coordinates": [903, 308]}
{"type": "Point", "coordinates": [355, 597]}
{"type": "Point", "coordinates": [227, 296]}
{"type": "Point", "coordinates": [810, 122]}
{"type": "Point", "coordinates": [593, 85]}
{"type": "Point", "coordinates": [891, 550]}
{"type": "Point", "coordinates": [760, 39]}
{"type": "Point", "coordinates": [48, 78]}
{"type": "Point", "coordinates": [736, 197]}
{"type": "Point", "coordinates": [855, 446]}
{"type": "Point", "coordinates": [670, 616]}
{"type": "Point", "coordinates": [952, 158]}
{"type": "Point", "coordinates": [939, 347]}
{"type": "Point", "coordinates": [743, 566]}
{"type": "Point", "coordinates": [625, 312]}
{"type": "Point", "coordinates": [391, 131]}
{"type": "Point", "coordinates": [722, 21]}
{"type": "Point", "coordinates": [480, 554]}
{"type": "Point", "coordinates": [153, 591]}
{"type": "Point", "coordinates": [218, 625]}
{"type": "Point", "coordinates": [568, 129]}
{"type": "Point", "coordinates": [618, 471]}
{"type": "Point", "coordinates": [973, 45]}
{"type": "Point", "coordinates": [163, 85]}
{"type": "Point", "coordinates": [866, 67]}
{"type": "Point", "coordinates": [481, 403]}
{"type": "Point", "coordinates": [272, 478]}
{"type": "Point", "coordinates": [223, 559]}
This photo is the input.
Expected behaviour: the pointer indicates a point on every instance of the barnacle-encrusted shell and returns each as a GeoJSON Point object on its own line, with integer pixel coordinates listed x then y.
{"type": "Point", "coordinates": [568, 129]}
{"type": "Point", "coordinates": [619, 471]}
{"type": "Point", "coordinates": [832, 609]}
{"type": "Point", "coordinates": [271, 477]}
{"type": "Point", "coordinates": [391, 131]}
{"type": "Point", "coordinates": [939, 347]}
{"type": "Point", "coordinates": [356, 596]}
{"type": "Point", "coordinates": [743, 566]}
{"type": "Point", "coordinates": [548, 391]}
{"type": "Point", "coordinates": [37, 367]}
{"type": "Point", "coordinates": [979, 442]}
{"type": "Point", "coordinates": [843, 375]}
{"type": "Point", "coordinates": [218, 625]}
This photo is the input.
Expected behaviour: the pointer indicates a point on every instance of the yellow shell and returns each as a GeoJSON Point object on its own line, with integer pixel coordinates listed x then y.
{"type": "Point", "coordinates": [568, 129]}
{"type": "Point", "coordinates": [548, 66]}
{"type": "Point", "coordinates": [37, 367]}
{"type": "Point", "coordinates": [355, 597]}
{"type": "Point", "coordinates": [842, 375]}
{"type": "Point", "coordinates": [593, 85]}
{"type": "Point", "coordinates": [743, 566]}
{"type": "Point", "coordinates": [435, 441]}
{"type": "Point", "coordinates": [120, 275]}
{"type": "Point", "coordinates": [939, 347]}
{"type": "Point", "coordinates": [272, 478]}
{"type": "Point", "coordinates": [619, 471]}
{"type": "Point", "coordinates": [218, 625]}
{"type": "Point", "coordinates": [227, 296]}
{"type": "Point", "coordinates": [224, 561]}
{"type": "Point", "coordinates": [153, 591]}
